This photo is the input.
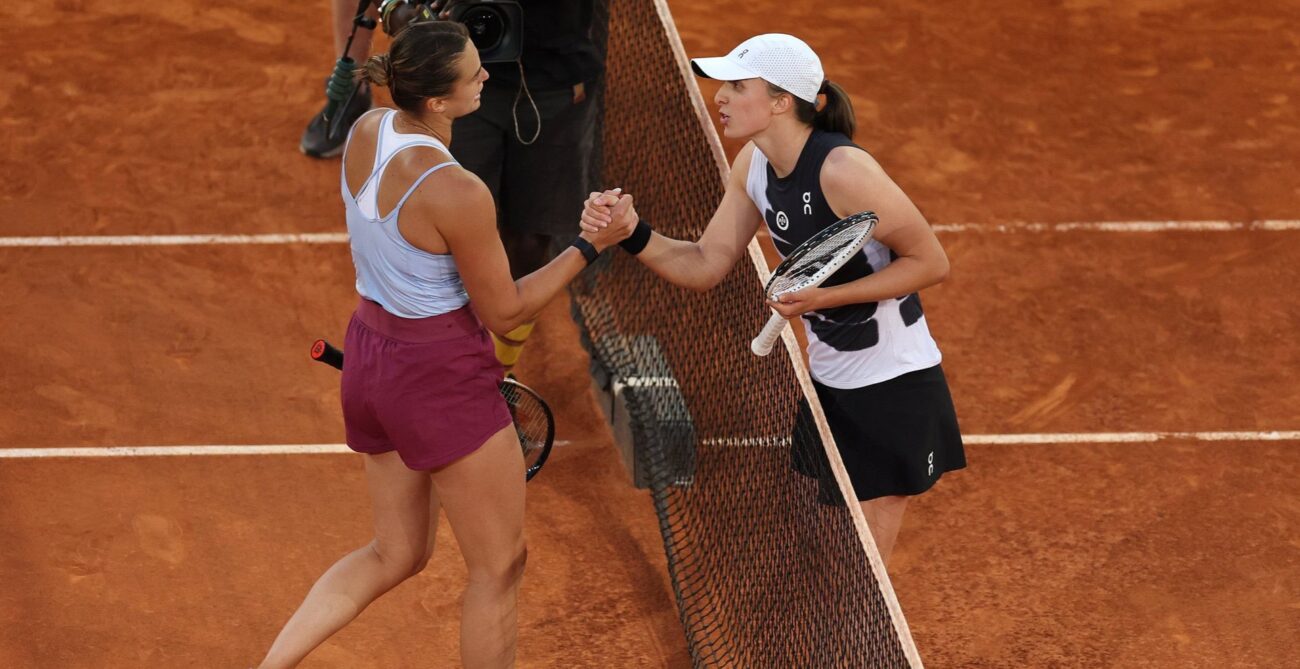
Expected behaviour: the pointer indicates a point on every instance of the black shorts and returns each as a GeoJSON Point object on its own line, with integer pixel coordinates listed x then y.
{"type": "Point", "coordinates": [540, 187]}
{"type": "Point", "coordinates": [896, 437]}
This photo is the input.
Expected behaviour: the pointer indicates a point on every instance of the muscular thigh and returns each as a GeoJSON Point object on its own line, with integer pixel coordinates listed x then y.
{"type": "Point", "coordinates": [400, 504]}
{"type": "Point", "coordinates": [483, 497]}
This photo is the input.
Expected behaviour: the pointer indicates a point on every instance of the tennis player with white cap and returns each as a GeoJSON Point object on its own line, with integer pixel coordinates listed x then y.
{"type": "Point", "coordinates": [873, 362]}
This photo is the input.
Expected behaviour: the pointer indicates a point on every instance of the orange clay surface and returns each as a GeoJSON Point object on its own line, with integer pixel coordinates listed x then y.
{"type": "Point", "coordinates": [183, 117]}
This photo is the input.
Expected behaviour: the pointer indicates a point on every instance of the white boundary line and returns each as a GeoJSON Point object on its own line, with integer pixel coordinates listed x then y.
{"type": "Point", "coordinates": [342, 238]}
{"type": "Point", "coordinates": [177, 240]}
{"type": "Point", "coordinates": [309, 449]}
{"type": "Point", "coordinates": [155, 451]}
{"type": "Point", "coordinates": [1123, 226]}
{"type": "Point", "coordinates": [1129, 437]}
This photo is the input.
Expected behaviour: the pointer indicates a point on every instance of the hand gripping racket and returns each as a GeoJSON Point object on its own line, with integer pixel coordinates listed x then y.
{"type": "Point", "coordinates": [809, 265]}
{"type": "Point", "coordinates": [534, 422]}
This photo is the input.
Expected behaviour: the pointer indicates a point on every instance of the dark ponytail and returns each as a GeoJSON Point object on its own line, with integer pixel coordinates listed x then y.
{"type": "Point", "coordinates": [420, 64]}
{"type": "Point", "coordinates": [834, 116]}
{"type": "Point", "coordinates": [837, 114]}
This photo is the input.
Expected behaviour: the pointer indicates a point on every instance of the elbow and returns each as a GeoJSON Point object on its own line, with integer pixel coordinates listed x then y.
{"type": "Point", "coordinates": [697, 283]}
{"type": "Point", "coordinates": [942, 270]}
{"type": "Point", "coordinates": [502, 325]}
{"type": "Point", "coordinates": [497, 327]}
{"type": "Point", "coordinates": [710, 279]}
{"type": "Point", "coordinates": [939, 268]}
{"type": "Point", "coordinates": [703, 285]}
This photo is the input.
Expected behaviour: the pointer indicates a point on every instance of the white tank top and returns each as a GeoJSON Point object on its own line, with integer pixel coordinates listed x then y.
{"type": "Point", "coordinates": [854, 345]}
{"type": "Point", "coordinates": [407, 281]}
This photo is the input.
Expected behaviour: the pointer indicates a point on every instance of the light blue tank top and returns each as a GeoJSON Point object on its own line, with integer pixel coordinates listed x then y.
{"type": "Point", "coordinates": [404, 280]}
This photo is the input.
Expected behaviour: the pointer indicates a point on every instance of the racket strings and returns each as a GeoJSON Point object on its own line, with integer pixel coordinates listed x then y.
{"type": "Point", "coordinates": [532, 420]}
{"type": "Point", "coordinates": [804, 269]}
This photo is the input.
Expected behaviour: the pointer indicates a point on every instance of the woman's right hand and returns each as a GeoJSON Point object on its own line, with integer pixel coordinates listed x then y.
{"type": "Point", "coordinates": [596, 210]}
{"type": "Point", "coordinates": [608, 218]}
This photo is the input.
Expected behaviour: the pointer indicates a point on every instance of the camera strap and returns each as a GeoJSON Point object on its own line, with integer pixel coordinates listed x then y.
{"type": "Point", "coordinates": [514, 108]}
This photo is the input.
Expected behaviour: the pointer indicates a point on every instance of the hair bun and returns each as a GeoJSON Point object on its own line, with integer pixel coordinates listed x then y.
{"type": "Point", "coordinates": [379, 69]}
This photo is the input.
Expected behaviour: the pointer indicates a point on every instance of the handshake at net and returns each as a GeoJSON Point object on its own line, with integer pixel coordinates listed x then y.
{"type": "Point", "coordinates": [610, 215]}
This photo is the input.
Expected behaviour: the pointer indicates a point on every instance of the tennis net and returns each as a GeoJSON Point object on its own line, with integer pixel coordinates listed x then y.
{"type": "Point", "coordinates": [769, 566]}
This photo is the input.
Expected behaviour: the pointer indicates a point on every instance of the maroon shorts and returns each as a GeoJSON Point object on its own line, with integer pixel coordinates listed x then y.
{"type": "Point", "coordinates": [427, 388]}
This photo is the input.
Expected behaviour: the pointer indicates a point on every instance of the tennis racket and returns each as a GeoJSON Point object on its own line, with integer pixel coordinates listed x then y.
{"type": "Point", "coordinates": [534, 422]}
{"type": "Point", "coordinates": [809, 265]}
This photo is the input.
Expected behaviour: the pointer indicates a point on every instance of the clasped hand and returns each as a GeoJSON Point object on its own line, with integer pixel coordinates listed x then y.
{"type": "Point", "coordinates": [611, 207]}
{"type": "Point", "coordinates": [608, 218]}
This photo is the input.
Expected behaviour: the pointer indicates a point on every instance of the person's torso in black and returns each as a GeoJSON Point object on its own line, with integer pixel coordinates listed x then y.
{"type": "Point", "coordinates": [559, 49]}
{"type": "Point", "coordinates": [797, 211]}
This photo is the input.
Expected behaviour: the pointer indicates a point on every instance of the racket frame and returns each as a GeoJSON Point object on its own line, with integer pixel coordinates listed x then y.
{"type": "Point", "coordinates": [771, 332]}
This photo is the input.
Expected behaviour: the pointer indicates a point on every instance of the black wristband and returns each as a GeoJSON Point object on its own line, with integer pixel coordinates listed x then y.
{"type": "Point", "coordinates": [640, 237]}
{"type": "Point", "coordinates": [588, 251]}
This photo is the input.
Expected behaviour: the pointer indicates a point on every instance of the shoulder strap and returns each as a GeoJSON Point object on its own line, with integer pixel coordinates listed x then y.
{"type": "Point", "coordinates": [410, 191]}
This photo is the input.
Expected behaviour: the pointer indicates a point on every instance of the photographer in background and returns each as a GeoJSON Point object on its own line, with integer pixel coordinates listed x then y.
{"type": "Point", "coordinates": [533, 141]}
{"type": "Point", "coordinates": [317, 141]}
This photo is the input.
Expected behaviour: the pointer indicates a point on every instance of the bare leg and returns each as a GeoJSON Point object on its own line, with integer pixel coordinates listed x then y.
{"type": "Point", "coordinates": [405, 518]}
{"type": "Point", "coordinates": [483, 496]}
{"type": "Point", "coordinates": [885, 517]}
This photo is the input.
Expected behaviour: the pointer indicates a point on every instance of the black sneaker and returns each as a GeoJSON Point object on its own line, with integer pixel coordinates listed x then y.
{"type": "Point", "coordinates": [315, 141]}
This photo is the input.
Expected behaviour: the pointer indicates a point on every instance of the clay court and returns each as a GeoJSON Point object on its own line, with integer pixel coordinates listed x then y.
{"type": "Point", "coordinates": [1128, 390]}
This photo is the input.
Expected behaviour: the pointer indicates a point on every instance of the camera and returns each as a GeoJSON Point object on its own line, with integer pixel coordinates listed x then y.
{"type": "Point", "coordinates": [495, 26]}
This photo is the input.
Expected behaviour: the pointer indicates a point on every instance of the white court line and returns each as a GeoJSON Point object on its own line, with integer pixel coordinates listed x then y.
{"type": "Point", "coordinates": [1059, 438]}
{"type": "Point", "coordinates": [178, 240]}
{"type": "Point", "coordinates": [341, 238]}
{"type": "Point", "coordinates": [643, 382]}
{"type": "Point", "coordinates": [1123, 226]}
{"type": "Point", "coordinates": [155, 451]}
{"type": "Point", "coordinates": [301, 449]}
{"type": "Point", "coordinates": [1129, 437]}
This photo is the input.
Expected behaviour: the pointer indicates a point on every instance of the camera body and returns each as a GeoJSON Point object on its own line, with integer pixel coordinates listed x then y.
{"type": "Point", "coordinates": [495, 26]}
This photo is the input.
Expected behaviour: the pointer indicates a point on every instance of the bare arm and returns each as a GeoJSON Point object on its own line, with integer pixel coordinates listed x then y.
{"type": "Point", "coordinates": [698, 265]}
{"type": "Point", "coordinates": [853, 181]}
{"type": "Point", "coordinates": [467, 223]}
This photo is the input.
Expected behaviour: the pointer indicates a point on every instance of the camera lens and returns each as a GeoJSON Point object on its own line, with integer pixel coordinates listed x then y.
{"type": "Point", "coordinates": [486, 27]}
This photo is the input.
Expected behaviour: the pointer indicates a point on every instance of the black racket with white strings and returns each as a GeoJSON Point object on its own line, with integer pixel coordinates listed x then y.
{"type": "Point", "coordinates": [534, 422]}
{"type": "Point", "coordinates": [811, 263]}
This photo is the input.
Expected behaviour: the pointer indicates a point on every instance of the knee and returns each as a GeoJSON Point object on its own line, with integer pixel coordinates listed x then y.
{"type": "Point", "coordinates": [423, 562]}
{"type": "Point", "coordinates": [401, 562]}
{"type": "Point", "coordinates": [504, 572]}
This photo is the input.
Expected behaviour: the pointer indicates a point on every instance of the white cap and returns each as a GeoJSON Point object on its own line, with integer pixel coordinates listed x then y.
{"type": "Point", "coordinates": [781, 60]}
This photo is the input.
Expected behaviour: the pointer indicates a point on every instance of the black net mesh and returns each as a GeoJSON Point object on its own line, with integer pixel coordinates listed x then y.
{"type": "Point", "coordinates": [767, 564]}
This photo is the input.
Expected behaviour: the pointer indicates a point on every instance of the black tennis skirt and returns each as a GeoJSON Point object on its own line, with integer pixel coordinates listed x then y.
{"type": "Point", "coordinates": [896, 437]}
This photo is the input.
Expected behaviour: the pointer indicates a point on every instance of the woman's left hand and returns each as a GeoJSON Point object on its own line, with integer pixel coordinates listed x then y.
{"type": "Point", "coordinates": [798, 303]}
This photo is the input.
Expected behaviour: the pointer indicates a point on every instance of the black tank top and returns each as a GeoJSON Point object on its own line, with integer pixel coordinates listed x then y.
{"type": "Point", "coordinates": [855, 344]}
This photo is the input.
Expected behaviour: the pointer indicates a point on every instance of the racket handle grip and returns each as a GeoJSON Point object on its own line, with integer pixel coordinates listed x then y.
{"type": "Point", "coordinates": [763, 343]}
{"type": "Point", "coordinates": [323, 351]}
